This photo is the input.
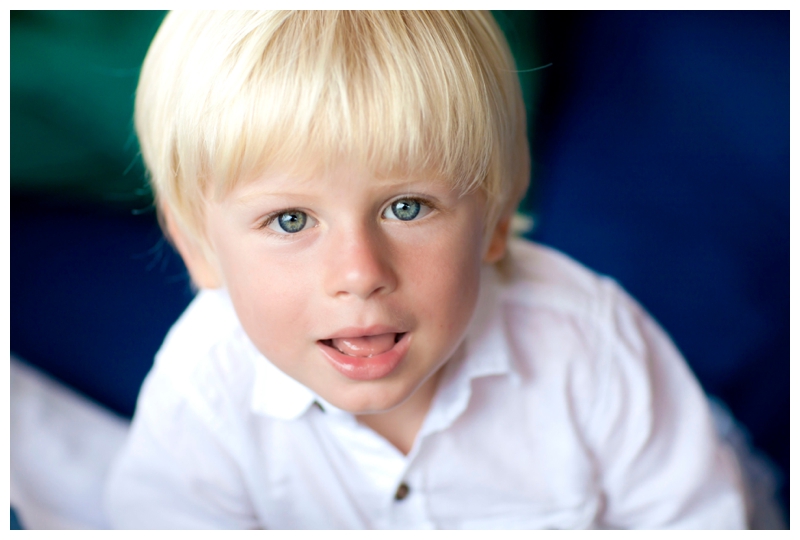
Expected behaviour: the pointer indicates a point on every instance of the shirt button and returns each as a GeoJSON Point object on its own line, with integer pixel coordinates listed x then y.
{"type": "Point", "coordinates": [402, 492]}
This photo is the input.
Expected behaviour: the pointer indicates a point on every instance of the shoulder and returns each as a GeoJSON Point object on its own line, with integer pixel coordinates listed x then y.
{"type": "Point", "coordinates": [205, 357]}
{"type": "Point", "coordinates": [188, 437]}
{"type": "Point", "coordinates": [541, 278]}
{"type": "Point", "coordinates": [208, 320]}
{"type": "Point", "coordinates": [543, 281]}
{"type": "Point", "coordinates": [564, 319]}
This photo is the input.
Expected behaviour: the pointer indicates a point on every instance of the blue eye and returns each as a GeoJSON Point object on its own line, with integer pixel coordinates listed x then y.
{"type": "Point", "coordinates": [291, 222]}
{"type": "Point", "coordinates": [404, 209]}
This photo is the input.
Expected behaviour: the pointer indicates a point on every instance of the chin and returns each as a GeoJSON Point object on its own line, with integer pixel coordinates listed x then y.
{"type": "Point", "coordinates": [369, 398]}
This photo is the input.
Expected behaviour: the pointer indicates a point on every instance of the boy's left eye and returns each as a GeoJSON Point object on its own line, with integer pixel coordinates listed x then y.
{"type": "Point", "coordinates": [406, 210]}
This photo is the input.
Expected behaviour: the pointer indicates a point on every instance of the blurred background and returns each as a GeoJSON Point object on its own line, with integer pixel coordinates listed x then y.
{"type": "Point", "coordinates": [660, 145]}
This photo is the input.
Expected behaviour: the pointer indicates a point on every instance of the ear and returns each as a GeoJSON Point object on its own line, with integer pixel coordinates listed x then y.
{"type": "Point", "coordinates": [498, 241]}
{"type": "Point", "coordinates": [204, 274]}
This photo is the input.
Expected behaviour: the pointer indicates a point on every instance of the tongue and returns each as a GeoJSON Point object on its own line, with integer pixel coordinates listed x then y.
{"type": "Point", "coordinates": [365, 346]}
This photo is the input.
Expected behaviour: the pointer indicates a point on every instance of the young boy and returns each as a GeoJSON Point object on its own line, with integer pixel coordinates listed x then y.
{"type": "Point", "coordinates": [368, 348]}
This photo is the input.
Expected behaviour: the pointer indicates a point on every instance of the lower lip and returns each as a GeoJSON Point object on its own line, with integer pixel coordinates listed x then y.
{"type": "Point", "coordinates": [367, 368]}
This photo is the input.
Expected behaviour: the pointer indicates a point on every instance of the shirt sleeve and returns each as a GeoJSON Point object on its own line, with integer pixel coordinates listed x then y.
{"type": "Point", "coordinates": [175, 471]}
{"type": "Point", "coordinates": [660, 461]}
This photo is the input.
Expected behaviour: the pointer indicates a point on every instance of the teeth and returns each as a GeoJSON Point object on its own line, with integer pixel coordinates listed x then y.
{"type": "Point", "coordinates": [365, 346]}
{"type": "Point", "coordinates": [354, 356]}
{"type": "Point", "coordinates": [329, 343]}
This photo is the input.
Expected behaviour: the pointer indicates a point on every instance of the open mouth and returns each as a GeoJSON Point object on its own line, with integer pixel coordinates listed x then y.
{"type": "Point", "coordinates": [367, 357]}
{"type": "Point", "coordinates": [364, 346]}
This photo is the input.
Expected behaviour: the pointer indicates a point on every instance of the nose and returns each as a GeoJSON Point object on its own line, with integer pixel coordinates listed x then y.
{"type": "Point", "coordinates": [358, 265]}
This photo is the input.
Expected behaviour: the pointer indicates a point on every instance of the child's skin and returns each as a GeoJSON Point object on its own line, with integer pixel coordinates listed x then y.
{"type": "Point", "coordinates": [352, 269]}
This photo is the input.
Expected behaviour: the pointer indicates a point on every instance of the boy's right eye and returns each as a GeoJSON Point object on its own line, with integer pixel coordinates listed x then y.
{"type": "Point", "coordinates": [291, 221]}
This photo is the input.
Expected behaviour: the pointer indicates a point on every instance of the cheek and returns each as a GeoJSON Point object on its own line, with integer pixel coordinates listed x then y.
{"type": "Point", "coordinates": [270, 294]}
{"type": "Point", "coordinates": [446, 277]}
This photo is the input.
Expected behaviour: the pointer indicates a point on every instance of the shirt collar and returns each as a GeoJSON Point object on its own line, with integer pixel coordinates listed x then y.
{"type": "Point", "coordinates": [487, 343]}
{"type": "Point", "coordinates": [276, 394]}
{"type": "Point", "coordinates": [485, 353]}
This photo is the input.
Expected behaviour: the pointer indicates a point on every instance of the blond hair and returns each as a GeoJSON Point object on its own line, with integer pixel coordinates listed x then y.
{"type": "Point", "coordinates": [224, 96]}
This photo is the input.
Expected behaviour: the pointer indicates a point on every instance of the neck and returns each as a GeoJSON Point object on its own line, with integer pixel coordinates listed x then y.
{"type": "Point", "coordinates": [401, 425]}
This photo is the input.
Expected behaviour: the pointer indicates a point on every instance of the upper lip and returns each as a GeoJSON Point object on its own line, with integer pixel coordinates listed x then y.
{"type": "Point", "coordinates": [354, 331]}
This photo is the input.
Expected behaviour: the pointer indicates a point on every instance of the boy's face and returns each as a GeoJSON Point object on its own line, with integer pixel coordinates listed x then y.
{"type": "Point", "coordinates": [359, 288]}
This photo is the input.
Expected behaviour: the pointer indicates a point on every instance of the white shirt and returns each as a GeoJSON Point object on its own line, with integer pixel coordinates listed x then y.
{"type": "Point", "coordinates": [571, 408]}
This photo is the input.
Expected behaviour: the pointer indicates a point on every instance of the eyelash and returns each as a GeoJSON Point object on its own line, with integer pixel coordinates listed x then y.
{"type": "Point", "coordinates": [422, 202]}
{"type": "Point", "coordinates": [270, 219]}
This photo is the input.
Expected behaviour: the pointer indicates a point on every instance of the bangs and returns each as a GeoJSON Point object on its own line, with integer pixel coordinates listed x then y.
{"type": "Point", "coordinates": [397, 93]}
{"type": "Point", "coordinates": [385, 91]}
